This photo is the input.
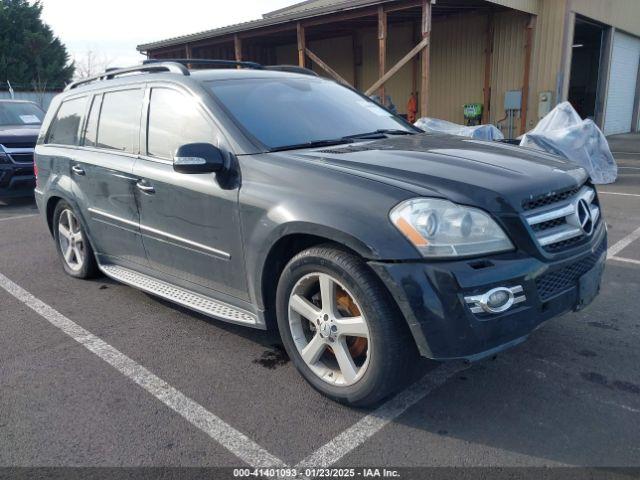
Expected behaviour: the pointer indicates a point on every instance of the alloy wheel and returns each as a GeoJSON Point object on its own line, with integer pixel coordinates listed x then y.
{"type": "Point", "coordinates": [72, 243]}
{"type": "Point", "coordinates": [329, 329]}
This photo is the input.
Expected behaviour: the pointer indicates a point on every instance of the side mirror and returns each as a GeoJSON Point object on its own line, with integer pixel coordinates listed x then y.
{"type": "Point", "coordinates": [198, 158]}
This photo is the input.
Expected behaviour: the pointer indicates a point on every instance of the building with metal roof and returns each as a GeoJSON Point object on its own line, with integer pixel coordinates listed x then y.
{"type": "Point", "coordinates": [515, 58]}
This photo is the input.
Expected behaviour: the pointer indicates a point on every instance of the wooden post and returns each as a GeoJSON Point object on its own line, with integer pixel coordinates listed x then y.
{"type": "Point", "coordinates": [426, 57]}
{"type": "Point", "coordinates": [382, 49]}
{"type": "Point", "coordinates": [401, 63]}
{"type": "Point", "coordinates": [488, 64]}
{"type": "Point", "coordinates": [237, 47]}
{"type": "Point", "coordinates": [187, 51]}
{"type": "Point", "coordinates": [528, 48]}
{"type": "Point", "coordinates": [301, 44]}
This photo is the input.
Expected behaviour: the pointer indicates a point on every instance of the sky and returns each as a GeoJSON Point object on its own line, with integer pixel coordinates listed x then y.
{"type": "Point", "coordinates": [112, 29]}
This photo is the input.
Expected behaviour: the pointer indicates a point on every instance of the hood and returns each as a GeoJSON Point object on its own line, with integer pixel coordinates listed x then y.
{"type": "Point", "coordinates": [494, 176]}
{"type": "Point", "coordinates": [23, 135]}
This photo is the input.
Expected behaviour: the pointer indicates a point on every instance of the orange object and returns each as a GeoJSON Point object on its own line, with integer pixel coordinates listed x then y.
{"type": "Point", "coordinates": [412, 108]}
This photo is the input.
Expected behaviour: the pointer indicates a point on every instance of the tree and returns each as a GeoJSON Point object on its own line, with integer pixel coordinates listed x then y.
{"type": "Point", "coordinates": [30, 54]}
{"type": "Point", "coordinates": [90, 64]}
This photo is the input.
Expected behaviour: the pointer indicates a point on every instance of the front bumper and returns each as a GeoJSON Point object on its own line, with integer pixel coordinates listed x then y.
{"type": "Point", "coordinates": [16, 180]}
{"type": "Point", "coordinates": [431, 297]}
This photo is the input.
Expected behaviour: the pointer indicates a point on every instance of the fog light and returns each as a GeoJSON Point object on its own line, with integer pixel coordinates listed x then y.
{"type": "Point", "coordinates": [496, 300]}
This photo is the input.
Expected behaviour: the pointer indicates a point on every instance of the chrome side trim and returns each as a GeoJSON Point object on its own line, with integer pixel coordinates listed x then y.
{"type": "Point", "coordinates": [112, 217]}
{"type": "Point", "coordinates": [175, 238]}
{"type": "Point", "coordinates": [194, 301]}
{"type": "Point", "coordinates": [150, 232]}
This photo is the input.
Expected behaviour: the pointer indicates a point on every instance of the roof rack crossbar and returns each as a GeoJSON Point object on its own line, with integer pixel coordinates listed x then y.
{"type": "Point", "coordinates": [205, 61]}
{"type": "Point", "coordinates": [172, 67]}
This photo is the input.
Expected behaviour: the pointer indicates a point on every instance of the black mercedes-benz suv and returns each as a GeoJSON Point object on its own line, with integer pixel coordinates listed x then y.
{"type": "Point", "coordinates": [269, 196]}
{"type": "Point", "coordinates": [19, 127]}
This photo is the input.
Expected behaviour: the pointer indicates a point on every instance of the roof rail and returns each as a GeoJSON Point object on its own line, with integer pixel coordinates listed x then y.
{"type": "Point", "coordinates": [205, 61]}
{"type": "Point", "coordinates": [292, 69]}
{"type": "Point", "coordinates": [109, 74]}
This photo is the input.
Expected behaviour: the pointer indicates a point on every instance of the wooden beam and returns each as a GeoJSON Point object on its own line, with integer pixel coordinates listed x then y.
{"type": "Point", "coordinates": [382, 50]}
{"type": "Point", "coordinates": [426, 57]}
{"type": "Point", "coordinates": [488, 64]}
{"type": "Point", "coordinates": [397, 6]}
{"type": "Point", "coordinates": [237, 47]}
{"type": "Point", "coordinates": [302, 45]}
{"type": "Point", "coordinates": [424, 43]}
{"type": "Point", "coordinates": [528, 48]}
{"type": "Point", "coordinates": [325, 67]}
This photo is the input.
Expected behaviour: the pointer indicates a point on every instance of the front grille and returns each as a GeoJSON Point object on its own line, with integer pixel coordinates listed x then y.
{"type": "Point", "coordinates": [556, 222]}
{"type": "Point", "coordinates": [18, 153]}
{"type": "Point", "coordinates": [22, 157]}
{"type": "Point", "coordinates": [549, 199]}
{"type": "Point", "coordinates": [563, 220]}
{"type": "Point", "coordinates": [567, 277]}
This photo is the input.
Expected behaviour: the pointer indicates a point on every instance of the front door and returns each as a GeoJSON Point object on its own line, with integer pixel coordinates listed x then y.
{"type": "Point", "coordinates": [189, 222]}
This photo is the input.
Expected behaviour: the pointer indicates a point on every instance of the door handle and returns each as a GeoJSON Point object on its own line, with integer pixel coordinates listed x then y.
{"type": "Point", "coordinates": [77, 170]}
{"type": "Point", "coordinates": [145, 187]}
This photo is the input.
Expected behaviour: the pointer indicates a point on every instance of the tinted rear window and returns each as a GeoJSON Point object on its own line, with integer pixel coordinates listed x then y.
{"type": "Point", "coordinates": [66, 126]}
{"type": "Point", "coordinates": [119, 124]}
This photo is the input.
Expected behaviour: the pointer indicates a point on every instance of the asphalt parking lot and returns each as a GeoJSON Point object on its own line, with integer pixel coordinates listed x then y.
{"type": "Point", "coordinates": [99, 374]}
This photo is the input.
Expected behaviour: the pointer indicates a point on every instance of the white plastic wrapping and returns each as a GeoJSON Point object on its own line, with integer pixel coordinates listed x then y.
{"type": "Point", "coordinates": [479, 132]}
{"type": "Point", "coordinates": [564, 133]}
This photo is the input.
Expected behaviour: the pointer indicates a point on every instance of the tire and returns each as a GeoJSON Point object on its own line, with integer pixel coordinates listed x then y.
{"type": "Point", "coordinates": [81, 262]}
{"type": "Point", "coordinates": [390, 349]}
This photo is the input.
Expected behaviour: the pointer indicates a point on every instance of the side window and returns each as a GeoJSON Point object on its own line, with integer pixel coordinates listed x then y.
{"type": "Point", "coordinates": [66, 126]}
{"type": "Point", "coordinates": [174, 120]}
{"type": "Point", "coordinates": [91, 129]}
{"type": "Point", "coordinates": [119, 124]}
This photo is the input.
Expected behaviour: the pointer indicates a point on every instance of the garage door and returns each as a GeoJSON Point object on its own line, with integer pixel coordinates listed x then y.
{"type": "Point", "coordinates": [622, 83]}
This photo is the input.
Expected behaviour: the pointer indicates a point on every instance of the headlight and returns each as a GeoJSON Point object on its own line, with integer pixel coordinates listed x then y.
{"type": "Point", "coordinates": [439, 228]}
{"type": "Point", "coordinates": [4, 158]}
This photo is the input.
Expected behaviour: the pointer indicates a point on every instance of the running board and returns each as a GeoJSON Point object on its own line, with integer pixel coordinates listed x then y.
{"type": "Point", "coordinates": [181, 296]}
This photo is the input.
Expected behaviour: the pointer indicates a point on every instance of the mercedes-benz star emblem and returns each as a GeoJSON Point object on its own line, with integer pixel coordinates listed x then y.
{"type": "Point", "coordinates": [583, 212]}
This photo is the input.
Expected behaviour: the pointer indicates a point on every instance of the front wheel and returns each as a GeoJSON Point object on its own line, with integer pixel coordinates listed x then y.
{"type": "Point", "coordinates": [74, 248]}
{"type": "Point", "coordinates": [341, 328]}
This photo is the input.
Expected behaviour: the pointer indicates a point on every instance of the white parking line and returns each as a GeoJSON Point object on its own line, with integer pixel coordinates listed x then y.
{"type": "Point", "coordinates": [236, 442]}
{"type": "Point", "coordinates": [619, 193]}
{"type": "Point", "coordinates": [629, 168]}
{"type": "Point", "coordinates": [626, 260]}
{"type": "Point", "coordinates": [18, 217]}
{"type": "Point", "coordinates": [368, 426]}
{"type": "Point", "coordinates": [624, 243]}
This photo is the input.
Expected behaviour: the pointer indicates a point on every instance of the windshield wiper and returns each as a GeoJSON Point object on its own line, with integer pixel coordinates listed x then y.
{"type": "Point", "coordinates": [380, 133]}
{"type": "Point", "coordinates": [313, 144]}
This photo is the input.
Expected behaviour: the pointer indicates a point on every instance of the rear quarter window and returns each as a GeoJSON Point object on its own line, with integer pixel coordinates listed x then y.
{"type": "Point", "coordinates": [65, 128]}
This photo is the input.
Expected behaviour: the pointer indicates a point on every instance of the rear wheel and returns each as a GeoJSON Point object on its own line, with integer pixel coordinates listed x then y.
{"type": "Point", "coordinates": [74, 249]}
{"type": "Point", "coordinates": [341, 328]}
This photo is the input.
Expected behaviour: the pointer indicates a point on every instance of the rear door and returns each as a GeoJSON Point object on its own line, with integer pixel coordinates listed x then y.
{"type": "Point", "coordinates": [189, 222]}
{"type": "Point", "coordinates": [102, 173]}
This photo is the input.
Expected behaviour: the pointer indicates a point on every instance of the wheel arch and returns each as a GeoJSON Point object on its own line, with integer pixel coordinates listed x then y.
{"type": "Point", "coordinates": [287, 246]}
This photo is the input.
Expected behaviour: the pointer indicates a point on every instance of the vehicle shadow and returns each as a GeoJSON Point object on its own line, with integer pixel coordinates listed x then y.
{"type": "Point", "coordinates": [569, 395]}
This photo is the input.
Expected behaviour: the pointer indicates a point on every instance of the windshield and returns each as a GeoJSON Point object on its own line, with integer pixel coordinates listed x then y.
{"type": "Point", "coordinates": [20, 114]}
{"type": "Point", "coordinates": [296, 111]}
